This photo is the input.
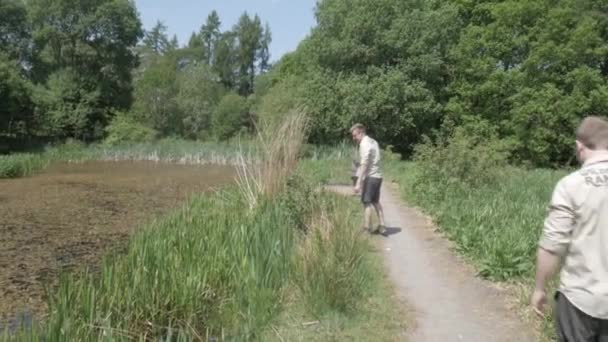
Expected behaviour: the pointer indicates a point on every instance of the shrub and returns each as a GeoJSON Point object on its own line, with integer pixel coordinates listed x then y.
{"type": "Point", "coordinates": [461, 156]}
{"type": "Point", "coordinates": [125, 129]}
{"type": "Point", "coordinates": [229, 116]}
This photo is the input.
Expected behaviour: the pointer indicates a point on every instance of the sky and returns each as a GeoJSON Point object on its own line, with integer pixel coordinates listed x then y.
{"type": "Point", "coordinates": [290, 20]}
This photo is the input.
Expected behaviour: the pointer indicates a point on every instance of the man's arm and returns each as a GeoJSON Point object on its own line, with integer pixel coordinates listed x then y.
{"type": "Point", "coordinates": [554, 243]}
{"type": "Point", "coordinates": [365, 156]}
{"type": "Point", "coordinates": [547, 264]}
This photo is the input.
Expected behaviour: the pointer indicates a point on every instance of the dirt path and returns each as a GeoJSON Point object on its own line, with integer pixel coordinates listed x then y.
{"type": "Point", "coordinates": [449, 302]}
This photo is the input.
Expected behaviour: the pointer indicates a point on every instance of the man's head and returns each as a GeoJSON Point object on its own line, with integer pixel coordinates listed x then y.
{"type": "Point", "coordinates": [357, 132]}
{"type": "Point", "coordinates": [591, 138]}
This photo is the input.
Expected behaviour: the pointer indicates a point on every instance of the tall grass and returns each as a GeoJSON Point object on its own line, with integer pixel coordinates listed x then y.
{"type": "Point", "coordinates": [21, 165]}
{"type": "Point", "coordinates": [497, 224]}
{"type": "Point", "coordinates": [266, 173]}
{"type": "Point", "coordinates": [332, 271]}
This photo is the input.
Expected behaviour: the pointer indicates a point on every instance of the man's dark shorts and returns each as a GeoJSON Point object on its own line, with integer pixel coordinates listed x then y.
{"type": "Point", "coordinates": [371, 190]}
{"type": "Point", "coordinates": [573, 325]}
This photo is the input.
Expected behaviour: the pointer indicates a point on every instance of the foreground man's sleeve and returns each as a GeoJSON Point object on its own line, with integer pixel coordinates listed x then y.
{"type": "Point", "coordinates": [559, 223]}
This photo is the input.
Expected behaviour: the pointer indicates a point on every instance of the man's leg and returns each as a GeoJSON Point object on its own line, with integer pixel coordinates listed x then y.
{"type": "Point", "coordinates": [378, 206]}
{"type": "Point", "coordinates": [603, 331]}
{"type": "Point", "coordinates": [368, 216]}
{"type": "Point", "coordinates": [380, 213]}
{"type": "Point", "coordinates": [574, 325]}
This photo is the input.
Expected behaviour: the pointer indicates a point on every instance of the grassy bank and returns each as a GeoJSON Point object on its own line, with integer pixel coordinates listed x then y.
{"type": "Point", "coordinates": [247, 263]}
{"type": "Point", "coordinates": [215, 269]}
{"type": "Point", "coordinates": [495, 224]}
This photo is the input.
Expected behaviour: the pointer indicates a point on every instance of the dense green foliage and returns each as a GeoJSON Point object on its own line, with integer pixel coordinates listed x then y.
{"type": "Point", "coordinates": [524, 72]}
{"type": "Point", "coordinates": [67, 67]}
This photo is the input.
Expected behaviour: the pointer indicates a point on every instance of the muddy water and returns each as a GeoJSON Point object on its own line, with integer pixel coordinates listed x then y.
{"type": "Point", "coordinates": [72, 214]}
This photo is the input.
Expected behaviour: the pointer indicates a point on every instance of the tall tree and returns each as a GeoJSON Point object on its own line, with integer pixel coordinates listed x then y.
{"type": "Point", "coordinates": [14, 29]}
{"type": "Point", "coordinates": [84, 48]}
{"type": "Point", "coordinates": [210, 34]}
{"type": "Point", "coordinates": [173, 44]}
{"type": "Point", "coordinates": [195, 41]}
{"type": "Point", "coordinates": [264, 52]}
{"type": "Point", "coordinates": [155, 96]}
{"type": "Point", "coordinates": [16, 106]}
{"type": "Point", "coordinates": [156, 39]}
{"type": "Point", "coordinates": [225, 61]}
{"type": "Point", "coordinates": [249, 34]}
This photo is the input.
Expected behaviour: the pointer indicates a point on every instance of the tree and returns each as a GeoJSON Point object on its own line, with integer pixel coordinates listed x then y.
{"type": "Point", "coordinates": [249, 34]}
{"type": "Point", "coordinates": [532, 70]}
{"type": "Point", "coordinates": [225, 62]}
{"type": "Point", "coordinates": [173, 44]}
{"type": "Point", "coordinates": [16, 107]}
{"type": "Point", "coordinates": [14, 29]}
{"type": "Point", "coordinates": [156, 39]}
{"type": "Point", "coordinates": [264, 51]}
{"type": "Point", "coordinates": [210, 35]}
{"type": "Point", "coordinates": [155, 97]}
{"type": "Point", "coordinates": [198, 96]}
{"type": "Point", "coordinates": [230, 116]}
{"type": "Point", "coordinates": [381, 62]}
{"type": "Point", "coordinates": [84, 48]}
{"type": "Point", "coordinates": [195, 41]}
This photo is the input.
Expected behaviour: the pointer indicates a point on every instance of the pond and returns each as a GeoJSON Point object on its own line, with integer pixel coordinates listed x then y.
{"type": "Point", "coordinates": [72, 214]}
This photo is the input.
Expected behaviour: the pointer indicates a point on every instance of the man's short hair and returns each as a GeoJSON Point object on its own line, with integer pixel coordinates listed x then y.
{"type": "Point", "coordinates": [358, 127]}
{"type": "Point", "coordinates": [593, 133]}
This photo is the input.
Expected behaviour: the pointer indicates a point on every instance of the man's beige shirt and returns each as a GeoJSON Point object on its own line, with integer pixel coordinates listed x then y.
{"type": "Point", "coordinates": [576, 228]}
{"type": "Point", "coordinates": [369, 154]}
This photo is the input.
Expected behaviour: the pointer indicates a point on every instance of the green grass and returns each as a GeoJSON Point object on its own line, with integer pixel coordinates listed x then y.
{"type": "Point", "coordinates": [496, 225]}
{"type": "Point", "coordinates": [21, 165]}
{"type": "Point", "coordinates": [340, 291]}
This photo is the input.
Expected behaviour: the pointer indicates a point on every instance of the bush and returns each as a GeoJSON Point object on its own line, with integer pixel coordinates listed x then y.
{"type": "Point", "coordinates": [461, 156]}
{"type": "Point", "coordinates": [125, 129]}
{"type": "Point", "coordinates": [278, 101]}
{"type": "Point", "coordinates": [229, 116]}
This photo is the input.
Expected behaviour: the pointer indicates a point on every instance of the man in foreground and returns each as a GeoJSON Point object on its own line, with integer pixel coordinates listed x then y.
{"type": "Point", "coordinates": [369, 178]}
{"type": "Point", "coordinates": [576, 233]}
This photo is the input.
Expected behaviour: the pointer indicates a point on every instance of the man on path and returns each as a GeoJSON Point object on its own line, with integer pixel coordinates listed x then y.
{"type": "Point", "coordinates": [576, 234]}
{"type": "Point", "coordinates": [369, 178]}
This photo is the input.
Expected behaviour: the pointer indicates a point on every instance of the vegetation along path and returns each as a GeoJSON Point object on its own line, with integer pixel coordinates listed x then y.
{"type": "Point", "coordinates": [449, 302]}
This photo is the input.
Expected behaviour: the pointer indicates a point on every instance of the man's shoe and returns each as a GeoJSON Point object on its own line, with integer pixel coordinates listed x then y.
{"type": "Point", "coordinates": [381, 230]}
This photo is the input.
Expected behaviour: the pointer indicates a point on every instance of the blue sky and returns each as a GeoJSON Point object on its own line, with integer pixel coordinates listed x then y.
{"type": "Point", "coordinates": [290, 20]}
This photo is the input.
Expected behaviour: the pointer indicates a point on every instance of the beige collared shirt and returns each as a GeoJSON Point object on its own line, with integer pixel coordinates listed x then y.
{"type": "Point", "coordinates": [576, 228]}
{"type": "Point", "coordinates": [369, 154]}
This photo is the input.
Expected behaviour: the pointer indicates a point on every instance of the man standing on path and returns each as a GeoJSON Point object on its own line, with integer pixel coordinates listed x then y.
{"type": "Point", "coordinates": [576, 233]}
{"type": "Point", "coordinates": [369, 178]}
